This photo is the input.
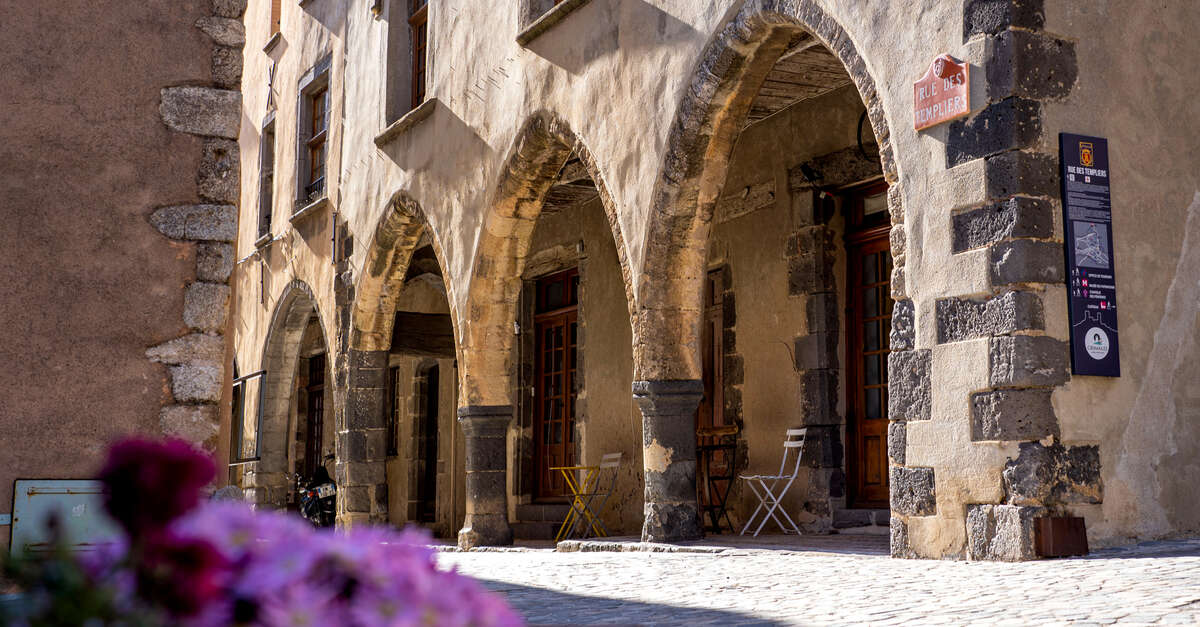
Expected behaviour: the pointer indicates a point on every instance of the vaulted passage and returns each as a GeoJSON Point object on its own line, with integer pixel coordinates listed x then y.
{"type": "Point", "coordinates": [549, 349]}
{"type": "Point", "coordinates": [425, 451]}
{"type": "Point", "coordinates": [283, 430]}
{"type": "Point", "coordinates": [573, 361]}
{"type": "Point", "coordinates": [779, 224]}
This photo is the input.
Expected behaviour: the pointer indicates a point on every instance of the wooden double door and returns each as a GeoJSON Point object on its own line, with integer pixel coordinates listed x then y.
{"type": "Point", "coordinates": [868, 326]}
{"type": "Point", "coordinates": [556, 325]}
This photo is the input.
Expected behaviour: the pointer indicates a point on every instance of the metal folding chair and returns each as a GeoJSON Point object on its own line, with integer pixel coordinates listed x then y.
{"type": "Point", "coordinates": [765, 486]}
{"type": "Point", "coordinates": [586, 490]}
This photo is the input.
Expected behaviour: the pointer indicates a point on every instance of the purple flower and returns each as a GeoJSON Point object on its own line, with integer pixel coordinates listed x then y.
{"type": "Point", "coordinates": [148, 484]}
{"type": "Point", "coordinates": [224, 563]}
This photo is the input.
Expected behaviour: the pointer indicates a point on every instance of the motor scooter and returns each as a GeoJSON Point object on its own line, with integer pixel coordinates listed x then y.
{"type": "Point", "coordinates": [318, 498]}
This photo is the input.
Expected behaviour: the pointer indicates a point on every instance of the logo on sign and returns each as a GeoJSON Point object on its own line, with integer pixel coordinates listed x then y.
{"type": "Point", "coordinates": [1087, 158]}
{"type": "Point", "coordinates": [1095, 342]}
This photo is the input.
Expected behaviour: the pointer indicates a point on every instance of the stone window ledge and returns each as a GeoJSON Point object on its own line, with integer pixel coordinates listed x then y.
{"type": "Point", "coordinates": [272, 42]}
{"type": "Point", "coordinates": [263, 241]}
{"type": "Point", "coordinates": [406, 121]}
{"type": "Point", "coordinates": [548, 20]}
{"type": "Point", "coordinates": [315, 206]}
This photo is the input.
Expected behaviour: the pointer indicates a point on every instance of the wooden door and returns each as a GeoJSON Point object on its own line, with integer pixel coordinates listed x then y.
{"type": "Point", "coordinates": [315, 420]}
{"type": "Point", "coordinates": [557, 333]}
{"type": "Point", "coordinates": [427, 446]}
{"type": "Point", "coordinates": [711, 411]}
{"type": "Point", "coordinates": [868, 325]}
{"type": "Point", "coordinates": [713, 460]}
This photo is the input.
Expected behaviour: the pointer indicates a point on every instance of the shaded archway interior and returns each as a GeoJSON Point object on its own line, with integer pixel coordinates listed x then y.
{"type": "Point", "coordinates": [297, 431]}
{"type": "Point", "coordinates": [425, 450]}
{"type": "Point", "coordinates": [778, 209]}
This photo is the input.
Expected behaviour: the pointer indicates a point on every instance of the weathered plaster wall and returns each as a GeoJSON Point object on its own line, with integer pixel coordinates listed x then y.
{"type": "Point", "coordinates": [299, 251]}
{"type": "Point", "coordinates": [1131, 61]}
{"type": "Point", "coordinates": [591, 71]}
{"type": "Point", "coordinates": [90, 282]}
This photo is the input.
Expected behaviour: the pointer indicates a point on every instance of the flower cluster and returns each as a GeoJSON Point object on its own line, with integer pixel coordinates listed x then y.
{"type": "Point", "coordinates": [223, 563]}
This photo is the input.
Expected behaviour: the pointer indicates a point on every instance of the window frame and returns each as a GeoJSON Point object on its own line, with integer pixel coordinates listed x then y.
{"type": "Point", "coordinates": [310, 187]}
{"type": "Point", "coordinates": [237, 422]}
{"type": "Point", "coordinates": [266, 176]}
{"type": "Point", "coordinates": [418, 36]}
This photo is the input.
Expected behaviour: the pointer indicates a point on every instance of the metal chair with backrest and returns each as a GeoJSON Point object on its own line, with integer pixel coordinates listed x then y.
{"type": "Point", "coordinates": [598, 482]}
{"type": "Point", "coordinates": [767, 487]}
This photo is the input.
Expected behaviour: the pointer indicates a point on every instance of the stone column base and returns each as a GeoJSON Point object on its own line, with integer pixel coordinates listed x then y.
{"type": "Point", "coordinates": [266, 489]}
{"type": "Point", "coordinates": [669, 456]}
{"type": "Point", "coordinates": [485, 428]}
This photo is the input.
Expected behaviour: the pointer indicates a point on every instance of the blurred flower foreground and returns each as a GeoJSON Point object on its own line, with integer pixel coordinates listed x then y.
{"type": "Point", "coordinates": [184, 562]}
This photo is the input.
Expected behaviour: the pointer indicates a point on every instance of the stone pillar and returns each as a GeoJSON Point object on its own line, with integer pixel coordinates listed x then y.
{"type": "Point", "coordinates": [361, 443]}
{"type": "Point", "coordinates": [669, 455]}
{"type": "Point", "coordinates": [485, 428]}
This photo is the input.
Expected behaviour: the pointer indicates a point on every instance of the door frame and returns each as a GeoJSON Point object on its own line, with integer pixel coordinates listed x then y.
{"type": "Point", "coordinates": [861, 229]}
{"type": "Point", "coordinates": [566, 316]}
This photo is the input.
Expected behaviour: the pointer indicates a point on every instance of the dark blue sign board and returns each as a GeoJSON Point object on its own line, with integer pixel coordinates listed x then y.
{"type": "Point", "coordinates": [1091, 274]}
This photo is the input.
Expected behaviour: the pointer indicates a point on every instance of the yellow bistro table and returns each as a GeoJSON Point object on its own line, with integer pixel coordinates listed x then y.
{"type": "Point", "coordinates": [581, 496]}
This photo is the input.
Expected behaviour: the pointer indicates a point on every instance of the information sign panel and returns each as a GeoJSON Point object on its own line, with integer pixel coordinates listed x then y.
{"type": "Point", "coordinates": [1091, 273]}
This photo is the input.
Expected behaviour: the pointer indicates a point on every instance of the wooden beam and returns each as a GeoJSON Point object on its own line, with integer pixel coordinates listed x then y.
{"type": "Point", "coordinates": [425, 335]}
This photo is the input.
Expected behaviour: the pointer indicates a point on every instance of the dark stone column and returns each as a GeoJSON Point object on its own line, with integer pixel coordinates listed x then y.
{"type": "Point", "coordinates": [669, 454]}
{"type": "Point", "coordinates": [485, 427]}
{"type": "Point", "coordinates": [361, 443]}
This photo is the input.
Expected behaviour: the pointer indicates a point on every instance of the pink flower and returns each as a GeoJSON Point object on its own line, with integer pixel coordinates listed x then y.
{"type": "Point", "coordinates": [148, 484]}
{"type": "Point", "coordinates": [180, 574]}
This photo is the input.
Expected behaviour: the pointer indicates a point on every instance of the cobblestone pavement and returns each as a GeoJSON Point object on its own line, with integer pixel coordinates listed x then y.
{"type": "Point", "coordinates": [840, 583]}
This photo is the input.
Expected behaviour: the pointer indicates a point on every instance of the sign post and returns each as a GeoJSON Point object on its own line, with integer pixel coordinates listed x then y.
{"type": "Point", "coordinates": [943, 94]}
{"type": "Point", "coordinates": [1091, 276]}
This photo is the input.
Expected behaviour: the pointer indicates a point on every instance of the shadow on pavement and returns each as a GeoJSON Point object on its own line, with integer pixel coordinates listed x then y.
{"type": "Point", "coordinates": [548, 607]}
{"type": "Point", "coordinates": [844, 544]}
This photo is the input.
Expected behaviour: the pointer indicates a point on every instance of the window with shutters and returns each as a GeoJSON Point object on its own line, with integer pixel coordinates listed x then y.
{"type": "Point", "coordinates": [418, 22]}
{"type": "Point", "coordinates": [407, 69]}
{"type": "Point", "coordinates": [276, 11]}
{"type": "Point", "coordinates": [266, 177]}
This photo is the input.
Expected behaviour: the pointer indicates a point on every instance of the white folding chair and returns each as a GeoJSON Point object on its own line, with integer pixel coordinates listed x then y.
{"type": "Point", "coordinates": [764, 486]}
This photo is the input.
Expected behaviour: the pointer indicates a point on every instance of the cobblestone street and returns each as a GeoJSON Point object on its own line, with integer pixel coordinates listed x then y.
{"type": "Point", "coordinates": [840, 582]}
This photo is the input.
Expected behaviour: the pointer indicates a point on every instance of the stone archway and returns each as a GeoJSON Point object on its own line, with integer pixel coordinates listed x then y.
{"type": "Point", "coordinates": [542, 148]}
{"type": "Point", "coordinates": [266, 481]}
{"type": "Point", "coordinates": [367, 313]}
{"type": "Point", "coordinates": [709, 118]}
{"type": "Point", "coordinates": [667, 322]}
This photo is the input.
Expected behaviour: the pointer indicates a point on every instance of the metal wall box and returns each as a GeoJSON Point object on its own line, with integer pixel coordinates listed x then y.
{"type": "Point", "coordinates": [79, 505]}
{"type": "Point", "coordinates": [1060, 536]}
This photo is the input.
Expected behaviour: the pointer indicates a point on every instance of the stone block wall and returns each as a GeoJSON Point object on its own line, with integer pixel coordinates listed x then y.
{"type": "Point", "coordinates": [197, 361]}
{"type": "Point", "coordinates": [1014, 227]}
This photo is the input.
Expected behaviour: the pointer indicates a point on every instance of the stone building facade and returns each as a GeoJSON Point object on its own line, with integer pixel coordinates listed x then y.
{"type": "Point", "coordinates": [522, 237]}
{"type": "Point", "coordinates": [120, 185]}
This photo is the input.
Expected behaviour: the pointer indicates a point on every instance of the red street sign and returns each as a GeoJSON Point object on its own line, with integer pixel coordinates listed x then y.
{"type": "Point", "coordinates": [943, 94]}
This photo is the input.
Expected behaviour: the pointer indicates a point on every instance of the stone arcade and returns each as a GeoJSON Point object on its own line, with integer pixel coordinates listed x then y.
{"type": "Point", "coordinates": [521, 238]}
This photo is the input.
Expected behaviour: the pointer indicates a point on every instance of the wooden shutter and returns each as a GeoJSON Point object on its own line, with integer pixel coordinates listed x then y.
{"type": "Point", "coordinates": [276, 10]}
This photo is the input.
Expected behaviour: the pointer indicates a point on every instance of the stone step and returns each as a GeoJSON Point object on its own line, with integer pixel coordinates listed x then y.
{"type": "Point", "coordinates": [535, 530]}
{"type": "Point", "coordinates": [542, 512]}
{"type": "Point", "coordinates": [850, 518]}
